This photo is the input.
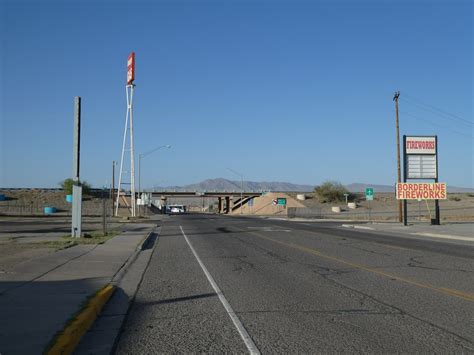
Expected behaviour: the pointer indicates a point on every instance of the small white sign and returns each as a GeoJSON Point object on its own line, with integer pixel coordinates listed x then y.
{"type": "Point", "coordinates": [421, 167]}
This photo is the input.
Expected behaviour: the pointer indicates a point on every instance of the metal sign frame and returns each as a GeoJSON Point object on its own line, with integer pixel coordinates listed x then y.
{"type": "Point", "coordinates": [407, 155]}
{"type": "Point", "coordinates": [436, 220]}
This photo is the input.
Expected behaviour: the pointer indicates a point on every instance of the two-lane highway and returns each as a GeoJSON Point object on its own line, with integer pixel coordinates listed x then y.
{"type": "Point", "coordinates": [224, 284]}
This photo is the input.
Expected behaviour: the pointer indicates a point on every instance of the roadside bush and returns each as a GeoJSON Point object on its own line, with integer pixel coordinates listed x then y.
{"type": "Point", "coordinates": [455, 198]}
{"type": "Point", "coordinates": [332, 191]}
{"type": "Point", "coordinates": [66, 185]}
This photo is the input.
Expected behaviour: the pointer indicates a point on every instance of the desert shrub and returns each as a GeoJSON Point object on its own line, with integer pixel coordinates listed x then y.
{"type": "Point", "coordinates": [455, 198]}
{"type": "Point", "coordinates": [66, 185]}
{"type": "Point", "coordinates": [331, 191]}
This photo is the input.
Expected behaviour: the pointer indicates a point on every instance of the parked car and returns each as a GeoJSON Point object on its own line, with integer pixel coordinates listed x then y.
{"type": "Point", "coordinates": [177, 209]}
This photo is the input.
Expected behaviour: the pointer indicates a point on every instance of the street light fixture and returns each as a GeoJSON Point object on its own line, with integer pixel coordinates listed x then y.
{"type": "Point", "coordinates": [140, 156]}
{"type": "Point", "coordinates": [241, 187]}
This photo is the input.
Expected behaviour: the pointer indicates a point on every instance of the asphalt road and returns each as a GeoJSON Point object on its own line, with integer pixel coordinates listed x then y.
{"type": "Point", "coordinates": [223, 284]}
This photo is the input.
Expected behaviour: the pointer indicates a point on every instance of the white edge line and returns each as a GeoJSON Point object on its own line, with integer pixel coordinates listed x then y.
{"type": "Point", "coordinates": [357, 227]}
{"type": "Point", "coordinates": [444, 236]}
{"type": "Point", "coordinates": [233, 316]}
{"type": "Point", "coordinates": [364, 227]}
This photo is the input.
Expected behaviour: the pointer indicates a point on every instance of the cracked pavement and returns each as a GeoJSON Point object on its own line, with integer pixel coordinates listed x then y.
{"type": "Point", "coordinates": [301, 289]}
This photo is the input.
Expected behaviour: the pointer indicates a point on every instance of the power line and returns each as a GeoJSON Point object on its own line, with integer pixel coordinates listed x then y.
{"type": "Point", "coordinates": [444, 112]}
{"type": "Point", "coordinates": [437, 111]}
{"type": "Point", "coordinates": [437, 125]}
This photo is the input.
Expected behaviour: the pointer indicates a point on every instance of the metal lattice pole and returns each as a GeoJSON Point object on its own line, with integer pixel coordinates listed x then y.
{"type": "Point", "coordinates": [128, 129]}
{"type": "Point", "coordinates": [132, 155]}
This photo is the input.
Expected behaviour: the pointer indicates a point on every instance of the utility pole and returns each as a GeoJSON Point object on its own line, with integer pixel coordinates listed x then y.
{"type": "Point", "coordinates": [395, 98]}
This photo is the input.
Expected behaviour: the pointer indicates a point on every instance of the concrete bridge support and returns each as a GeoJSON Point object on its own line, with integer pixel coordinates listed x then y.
{"type": "Point", "coordinates": [219, 205]}
{"type": "Point", "coordinates": [227, 205]}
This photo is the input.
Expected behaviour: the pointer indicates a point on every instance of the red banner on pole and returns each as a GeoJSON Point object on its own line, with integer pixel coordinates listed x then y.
{"type": "Point", "coordinates": [131, 68]}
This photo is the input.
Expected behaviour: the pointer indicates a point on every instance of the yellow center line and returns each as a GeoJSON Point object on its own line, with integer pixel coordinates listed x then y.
{"type": "Point", "coordinates": [446, 291]}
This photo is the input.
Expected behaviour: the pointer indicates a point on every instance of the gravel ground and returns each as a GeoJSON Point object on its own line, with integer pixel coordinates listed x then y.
{"type": "Point", "coordinates": [26, 238]}
{"type": "Point", "coordinates": [458, 207]}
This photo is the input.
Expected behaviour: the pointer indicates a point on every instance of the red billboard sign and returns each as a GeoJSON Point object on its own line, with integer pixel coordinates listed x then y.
{"type": "Point", "coordinates": [420, 145]}
{"type": "Point", "coordinates": [424, 191]}
{"type": "Point", "coordinates": [131, 68]}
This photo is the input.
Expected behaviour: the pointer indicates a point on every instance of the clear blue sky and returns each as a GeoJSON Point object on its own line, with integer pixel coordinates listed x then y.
{"type": "Point", "coordinates": [297, 91]}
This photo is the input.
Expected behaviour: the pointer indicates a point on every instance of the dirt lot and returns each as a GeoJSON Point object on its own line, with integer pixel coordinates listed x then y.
{"type": "Point", "coordinates": [457, 207]}
{"type": "Point", "coordinates": [24, 238]}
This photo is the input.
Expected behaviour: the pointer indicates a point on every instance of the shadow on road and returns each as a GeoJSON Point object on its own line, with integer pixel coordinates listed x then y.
{"type": "Point", "coordinates": [180, 299]}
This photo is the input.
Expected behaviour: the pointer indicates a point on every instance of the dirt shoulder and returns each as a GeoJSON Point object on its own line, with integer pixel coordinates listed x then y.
{"type": "Point", "coordinates": [25, 238]}
{"type": "Point", "coordinates": [457, 207]}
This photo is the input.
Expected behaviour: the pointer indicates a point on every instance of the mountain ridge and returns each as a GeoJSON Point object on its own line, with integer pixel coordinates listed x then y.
{"type": "Point", "coordinates": [221, 184]}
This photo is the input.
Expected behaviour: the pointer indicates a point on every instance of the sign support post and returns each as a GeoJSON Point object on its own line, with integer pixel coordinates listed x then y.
{"type": "Point", "coordinates": [437, 215]}
{"type": "Point", "coordinates": [405, 202]}
{"type": "Point", "coordinates": [104, 211]}
{"type": "Point", "coordinates": [370, 217]}
{"type": "Point", "coordinates": [76, 220]}
{"type": "Point", "coordinates": [369, 196]}
{"type": "Point", "coordinates": [128, 129]}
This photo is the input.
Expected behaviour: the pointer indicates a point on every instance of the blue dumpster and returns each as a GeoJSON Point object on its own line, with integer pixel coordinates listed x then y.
{"type": "Point", "coordinates": [49, 210]}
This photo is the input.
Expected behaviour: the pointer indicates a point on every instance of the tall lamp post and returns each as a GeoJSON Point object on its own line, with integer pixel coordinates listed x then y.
{"type": "Point", "coordinates": [241, 187]}
{"type": "Point", "coordinates": [140, 156]}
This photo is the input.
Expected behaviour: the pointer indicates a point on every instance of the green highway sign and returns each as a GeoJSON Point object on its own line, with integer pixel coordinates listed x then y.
{"type": "Point", "coordinates": [281, 201]}
{"type": "Point", "coordinates": [369, 194]}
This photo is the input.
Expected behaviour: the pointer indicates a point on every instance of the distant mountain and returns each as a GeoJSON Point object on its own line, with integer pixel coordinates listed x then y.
{"type": "Point", "coordinates": [221, 184]}
{"type": "Point", "coordinates": [460, 189]}
{"type": "Point", "coordinates": [360, 187]}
